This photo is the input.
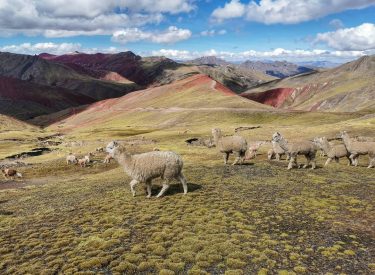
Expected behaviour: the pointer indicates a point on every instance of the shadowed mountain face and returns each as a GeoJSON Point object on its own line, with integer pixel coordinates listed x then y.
{"type": "Point", "coordinates": [156, 71]}
{"type": "Point", "coordinates": [31, 86]}
{"type": "Point", "coordinates": [24, 100]}
{"type": "Point", "coordinates": [347, 88]}
{"type": "Point", "coordinates": [143, 71]}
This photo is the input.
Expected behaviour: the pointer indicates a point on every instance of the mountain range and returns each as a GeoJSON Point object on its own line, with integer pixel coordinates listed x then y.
{"type": "Point", "coordinates": [46, 89]}
{"type": "Point", "coordinates": [279, 69]}
{"type": "Point", "coordinates": [347, 88]}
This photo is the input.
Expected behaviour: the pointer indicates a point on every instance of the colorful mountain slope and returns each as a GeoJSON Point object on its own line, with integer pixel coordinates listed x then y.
{"type": "Point", "coordinates": [195, 98]}
{"type": "Point", "coordinates": [347, 88]}
{"type": "Point", "coordinates": [156, 71]}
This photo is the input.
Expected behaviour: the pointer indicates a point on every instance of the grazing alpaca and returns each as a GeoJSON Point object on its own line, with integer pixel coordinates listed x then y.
{"type": "Point", "coordinates": [357, 148]}
{"type": "Point", "coordinates": [333, 152]}
{"type": "Point", "coordinates": [230, 144]}
{"type": "Point", "coordinates": [306, 148]}
{"type": "Point", "coordinates": [10, 173]}
{"type": "Point", "coordinates": [148, 166]}
{"type": "Point", "coordinates": [71, 159]}
{"type": "Point", "coordinates": [252, 151]}
{"type": "Point", "coordinates": [82, 162]}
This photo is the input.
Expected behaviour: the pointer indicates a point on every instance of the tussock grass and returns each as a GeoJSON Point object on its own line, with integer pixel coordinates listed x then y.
{"type": "Point", "coordinates": [257, 218]}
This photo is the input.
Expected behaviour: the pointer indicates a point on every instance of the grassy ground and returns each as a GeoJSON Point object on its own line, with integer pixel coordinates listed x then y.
{"type": "Point", "coordinates": [256, 218]}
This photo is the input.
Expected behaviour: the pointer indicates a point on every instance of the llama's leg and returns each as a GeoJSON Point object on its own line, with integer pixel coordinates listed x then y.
{"type": "Point", "coordinates": [308, 160]}
{"type": "Point", "coordinates": [287, 156]}
{"type": "Point", "coordinates": [243, 154]}
{"type": "Point", "coordinates": [132, 184]}
{"type": "Point", "coordinates": [337, 159]}
{"type": "Point", "coordinates": [163, 189]}
{"type": "Point", "coordinates": [328, 161]}
{"type": "Point", "coordinates": [313, 161]}
{"type": "Point", "coordinates": [371, 162]}
{"type": "Point", "coordinates": [148, 188]}
{"type": "Point", "coordinates": [182, 179]}
{"type": "Point", "coordinates": [354, 158]}
{"type": "Point", "coordinates": [349, 161]}
{"type": "Point", "coordinates": [292, 162]}
{"type": "Point", "coordinates": [237, 154]}
{"type": "Point", "coordinates": [226, 156]}
{"type": "Point", "coordinates": [277, 157]}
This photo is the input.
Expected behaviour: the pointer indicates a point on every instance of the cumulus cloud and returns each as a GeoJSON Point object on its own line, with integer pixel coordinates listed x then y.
{"type": "Point", "coordinates": [28, 48]}
{"type": "Point", "coordinates": [352, 39]}
{"type": "Point", "coordinates": [230, 10]}
{"type": "Point", "coordinates": [60, 18]}
{"type": "Point", "coordinates": [170, 35]}
{"type": "Point", "coordinates": [213, 32]}
{"type": "Point", "coordinates": [54, 48]}
{"type": "Point", "coordinates": [285, 11]}
{"type": "Point", "coordinates": [276, 54]}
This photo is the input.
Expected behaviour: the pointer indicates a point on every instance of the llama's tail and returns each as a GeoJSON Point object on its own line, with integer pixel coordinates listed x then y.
{"type": "Point", "coordinates": [19, 175]}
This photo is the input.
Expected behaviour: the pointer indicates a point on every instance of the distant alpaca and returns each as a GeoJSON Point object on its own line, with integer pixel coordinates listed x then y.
{"type": "Point", "coordinates": [333, 152]}
{"type": "Point", "coordinates": [82, 162]}
{"type": "Point", "coordinates": [357, 148]}
{"type": "Point", "coordinates": [252, 151]}
{"type": "Point", "coordinates": [306, 148]}
{"type": "Point", "coordinates": [71, 159]}
{"type": "Point", "coordinates": [10, 173]}
{"type": "Point", "coordinates": [230, 144]}
{"type": "Point", "coordinates": [148, 166]}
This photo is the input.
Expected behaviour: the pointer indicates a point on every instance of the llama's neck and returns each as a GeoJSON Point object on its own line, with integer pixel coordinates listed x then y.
{"type": "Point", "coordinates": [283, 144]}
{"type": "Point", "coordinates": [217, 137]}
{"type": "Point", "coordinates": [123, 158]}
{"type": "Point", "coordinates": [326, 146]}
{"type": "Point", "coordinates": [346, 141]}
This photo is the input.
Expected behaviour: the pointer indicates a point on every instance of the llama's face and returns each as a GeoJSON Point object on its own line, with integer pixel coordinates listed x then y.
{"type": "Point", "coordinates": [215, 131]}
{"type": "Point", "coordinates": [342, 134]}
{"type": "Point", "coordinates": [111, 147]}
{"type": "Point", "coordinates": [318, 141]}
{"type": "Point", "coordinates": [276, 137]}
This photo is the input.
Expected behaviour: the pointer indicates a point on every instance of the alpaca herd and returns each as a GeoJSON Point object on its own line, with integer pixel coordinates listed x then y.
{"type": "Point", "coordinates": [167, 165]}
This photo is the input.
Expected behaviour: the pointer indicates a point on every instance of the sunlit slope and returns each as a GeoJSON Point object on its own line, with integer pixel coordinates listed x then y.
{"type": "Point", "coordinates": [347, 88]}
{"type": "Point", "coordinates": [197, 98]}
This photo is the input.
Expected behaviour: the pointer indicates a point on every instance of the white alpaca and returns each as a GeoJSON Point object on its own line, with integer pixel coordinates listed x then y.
{"type": "Point", "coordinates": [148, 166]}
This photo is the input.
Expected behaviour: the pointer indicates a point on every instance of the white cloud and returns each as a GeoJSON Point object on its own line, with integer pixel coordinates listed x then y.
{"type": "Point", "coordinates": [286, 11]}
{"type": "Point", "coordinates": [213, 32]}
{"type": "Point", "coordinates": [55, 48]}
{"type": "Point", "coordinates": [352, 39]}
{"type": "Point", "coordinates": [28, 48]}
{"type": "Point", "coordinates": [276, 54]}
{"type": "Point", "coordinates": [60, 18]}
{"type": "Point", "coordinates": [231, 10]}
{"type": "Point", "coordinates": [171, 35]}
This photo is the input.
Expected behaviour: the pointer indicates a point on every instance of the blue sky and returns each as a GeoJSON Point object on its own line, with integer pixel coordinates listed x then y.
{"type": "Point", "coordinates": [335, 30]}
